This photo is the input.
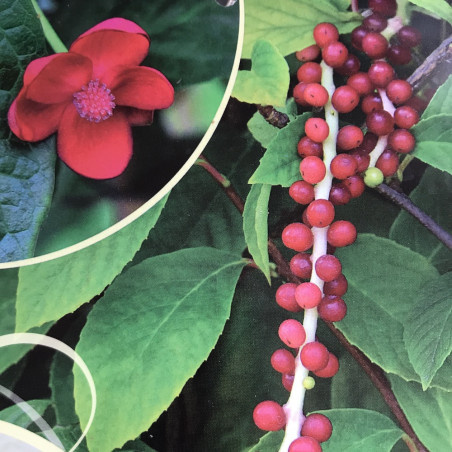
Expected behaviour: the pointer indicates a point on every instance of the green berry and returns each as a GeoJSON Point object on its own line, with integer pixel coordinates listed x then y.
{"type": "Point", "coordinates": [373, 177]}
{"type": "Point", "coordinates": [308, 383]}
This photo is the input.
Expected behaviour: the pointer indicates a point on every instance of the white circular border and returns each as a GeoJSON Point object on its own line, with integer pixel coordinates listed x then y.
{"type": "Point", "coordinates": [177, 177]}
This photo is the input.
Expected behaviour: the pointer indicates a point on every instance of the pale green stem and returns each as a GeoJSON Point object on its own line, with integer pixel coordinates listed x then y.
{"type": "Point", "coordinates": [294, 406]}
{"type": "Point", "coordinates": [52, 38]}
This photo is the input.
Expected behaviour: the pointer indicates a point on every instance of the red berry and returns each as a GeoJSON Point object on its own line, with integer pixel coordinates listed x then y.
{"type": "Point", "coordinates": [320, 213]}
{"type": "Point", "coordinates": [387, 8]}
{"type": "Point", "coordinates": [305, 444]}
{"type": "Point", "coordinates": [381, 73]}
{"type": "Point", "coordinates": [309, 73]}
{"type": "Point", "coordinates": [376, 22]}
{"type": "Point", "coordinates": [312, 169]}
{"type": "Point", "coordinates": [292, 333]}
{"type": "Point", "coordinates": [401, 140]}
{"type": "Point", "coordinates": [308, 295]}
{"type": "Point", "coordinates": [345, 99]}
{"type": "Point", "coordinates": [309, 53]}
{"type": "Point", "coordinates": [361, 83]}
{"type": "Point", "coordinates": [399, 91]}
{"type": "Point", "coordinates": [297, 236]}
{"type": "Point", "coordinates": [287, 381]}
{"type": "Point", "coordinates": [328, 267]}
{"type": "Point", "coordinates": [269, 416]}
{"type": "Point", "coordinates": [325, 33]}
{"type": "Point", "coordinates": [406, 117]}
{"type": "Point", "coordinates": [355, 185]}
{"type": "Point", "coordinates": [316, 129]}
{"type": "Point", "coordinates": [283, 361]}
{"type": "Point", "coordinates": [357, 37]}
{"type": "Point", "coordinates": [332, 308]}
{"type": "Point", "coordinates": [285, 297]}
{"type": "Point", "coordinates": [317, 426]}
{"type": "Point", "coordinates": [335, 54]}
{"type": "Point", "coordinates": [298, 94]}
{"type": "Point", "coordinates": [343, 165]}
{"type": "Point", "coordinates": [339, 195]}
{"type": "Point", "coordinates": [349, 137]}
{"type": "Point", "coordinates": [336, 287]}
{"type": "Point", "coordinates": [350, 67]}
{"type": "Point", "coordinates": [388, 162]}
{"type": "Point", "coordinates": [301, 266]}
{"type": "Point", "coordinates": [409, 36]}
{"type": "Point", "coordinates": [341, 233]}
{"type": "Point", "coordinates": [375, 45]}
{"type": "Point", "coordinates": [301, 192]}
{"type": "Point", "coordinates": [307, 147]}
{"type": "Point", "coordinates": [315, 95]}
{"type": "Point", "coordinates": [380, 122]}
{"type": "Point", "coordinates": [398, 55]}
{"type": "Point", "coordinates": [330, 370]}
{"type": "Point", "coordinates": [371, 102]}
{"type": "Point", "coordinates": [314, 356]}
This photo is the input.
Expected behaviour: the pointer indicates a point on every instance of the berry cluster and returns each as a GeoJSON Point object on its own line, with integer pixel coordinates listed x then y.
{"type": "Point", "coordinates": [336, 165]}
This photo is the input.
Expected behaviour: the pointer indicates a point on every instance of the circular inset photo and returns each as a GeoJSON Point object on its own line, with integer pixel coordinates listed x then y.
{"type": "Point", "coordinates": [105, 106]}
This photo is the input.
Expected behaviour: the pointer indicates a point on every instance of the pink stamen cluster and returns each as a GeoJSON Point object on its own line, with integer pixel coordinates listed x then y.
{"type": "Point", "coordinates": [94, 102]}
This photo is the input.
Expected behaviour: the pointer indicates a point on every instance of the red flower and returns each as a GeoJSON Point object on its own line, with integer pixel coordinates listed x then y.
{"type": "Point", "coordinates": [91, 95]}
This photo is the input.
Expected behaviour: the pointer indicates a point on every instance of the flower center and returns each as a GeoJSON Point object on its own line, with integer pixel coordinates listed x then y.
{"type": "Point", "coordinates": [94, 101]}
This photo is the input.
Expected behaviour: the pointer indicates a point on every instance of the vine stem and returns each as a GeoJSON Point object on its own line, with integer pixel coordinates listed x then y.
{"type": "Point", "coordinates": [52, 37]}
{"type": "Point", "coordinates": [374, 372]}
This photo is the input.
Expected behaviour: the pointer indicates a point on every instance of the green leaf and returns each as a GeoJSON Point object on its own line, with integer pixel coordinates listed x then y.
{"type": "Point", "coordinates": [268, 80]}
{"type": "Point", "coordinates": [432, 132]}
{"type": "Point", "coordinates": [264, 132]}
{"type": "Point", "coordinates": [429, 346]}
{"type": "Point", "coordinates": [51, 289]}
{"type": "Point", "coordinates": [268, 443]}
{"type": "Point", "coordinates": [280, 164]}
{"type": "Point", "coordinates": [440, 8]}
{"type": "Point", "coordinates": [288, 24]}
{"type": "Point", "coordinates": [377, 310]}
{"type": "Point", "coordinates": [26, 170]}
{"type": "Point", "coordinates": [17, 416]}
{"type": "Point", "coordinates": [357, 430]}
{"type": "Point", "coordinates": [255, 226]}
{"type": "Point", "coordinates": [431, 195]}
{"type": "Point", "coordinates": [147, 336]}
{"type": "Point", "coordinates": [429, 413]}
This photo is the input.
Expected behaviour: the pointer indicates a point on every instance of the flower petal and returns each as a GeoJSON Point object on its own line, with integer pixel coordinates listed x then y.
{"type": "Point", "coordinates": [142, 87]}
{"type": "Point", "coordinates": [32, 121]}
{"type": "Point", "coordinates": [60, 78]}
{"type": "Point", "coordinates": [36, 66]}
{"type": "Point", "coordinates": [111, 43]}
{"type": "Point", "coordinates": [97, 150]}
{"type": "Point", "coordinates": [138, 117]}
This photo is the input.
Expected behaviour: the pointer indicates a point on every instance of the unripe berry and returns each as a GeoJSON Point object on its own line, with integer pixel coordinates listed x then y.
{"type": "Point", "coordinates": [292, 333]}
{"type": "Point", "coordinates": [331, 369]}
{"type": "Point", "coordinates": [269, 416]}
{"type": "Point", "coordinates": [312, 169]}
{"type": "Point", "coordinates": [341, 233]}
{"type": "Point", "coordinates": [320, 213]}
{"type": "Point", "coordinates": [285, 297]}
{"type": "Point", "coordinates": [373, 177]}
{"type": "Point", "coordinates": [297, 236]}
{"type": "Point", "coordinates": [308, 383]}
{"type": "Point", "coordinates": [308, 295]}
{"type": "Point", "coordinates": [314, 356]}
{"type": "Point", "coordinates": [317, 426]}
